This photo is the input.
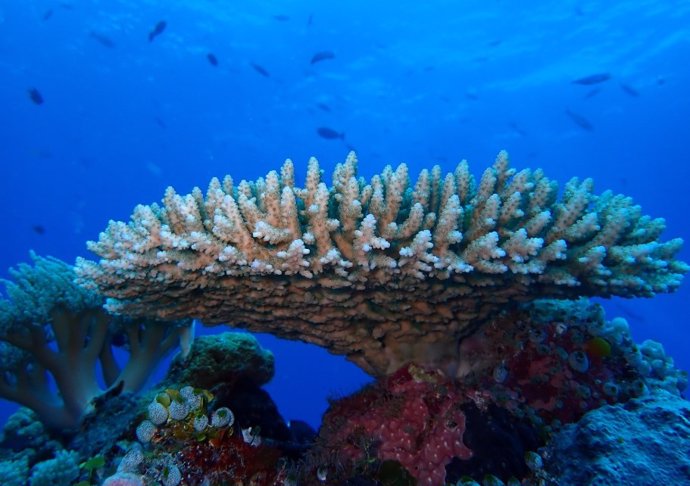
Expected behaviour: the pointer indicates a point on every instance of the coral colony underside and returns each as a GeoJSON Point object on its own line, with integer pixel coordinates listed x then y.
{"type": "Point", "coordinates": [444, 290]}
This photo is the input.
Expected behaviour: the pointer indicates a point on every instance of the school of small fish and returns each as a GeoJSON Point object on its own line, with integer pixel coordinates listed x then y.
{"type": "Point", "coordinates": [594, 82]}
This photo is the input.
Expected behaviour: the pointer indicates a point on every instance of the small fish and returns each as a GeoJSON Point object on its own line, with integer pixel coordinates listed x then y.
{"type": "Point", "coordinates": [281, 17]}
{"type": "Point", "coordinates": [323, 107]}
{"type": "Point", "coordinates": [471, 94]}
{"type": "Point", "coordinates": [260, 69]}
{"type": "Point", "coordinates": [39, 229]}
{"type": "Point", "coordinates": [580, 121]}
{"type": "Point", "coordinates": [598, 347]}
{"type": "Point", "coordinates": [310, 20]}
{"type": "Point", "coordinates": [212, 59]}
{"type": "Point", "coordinates": [160, 122]}
{"type": "Point", "coordinates": [593, 79]}
{"type": "Point", "coordinates": [630, 313]}
{"type": "Point", "coordinates": [115, 390]}
{"type": "Point", "coordinates": [629, 90]}
{"type": "Point", "coordinates": [592, 93]}
{"type": "Point", "coordinates": [154, 169]}
{"type": "Point", "coordinates": [329, 133]}
{"type": "Point", "coordinates": [102, 39]}
{"type": "Point", "coordinates": [35, 96]}
{"type": "Point", "coordinates": [187, 339]}
{"type": "Point", "coordinates": [47, 14]}
{"type": "Point", "coordinates": [157, 30]}
{"type": "Point", "coordinates": [517, 129]}
{"type": "Point", "coordinates": [322, 56]}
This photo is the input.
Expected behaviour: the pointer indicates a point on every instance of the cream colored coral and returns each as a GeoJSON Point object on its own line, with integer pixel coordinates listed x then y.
{"type": "Point", "coordinates": [385, 271]}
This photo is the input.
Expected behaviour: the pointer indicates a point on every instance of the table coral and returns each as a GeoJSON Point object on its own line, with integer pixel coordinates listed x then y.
{"type": "Point", "coordinates": [384, 272]}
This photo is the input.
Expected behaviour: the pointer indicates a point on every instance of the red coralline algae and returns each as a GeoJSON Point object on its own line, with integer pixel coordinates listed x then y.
{"type": "Point", "coordinates": [558, 369]}
{"type": "Point", "coordinates": [412, 417]}
{"type": "Point", "coordinates": [228, 459]}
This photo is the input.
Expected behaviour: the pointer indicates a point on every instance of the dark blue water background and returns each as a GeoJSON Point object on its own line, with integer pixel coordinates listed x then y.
{"type": "Point", "coordinates": [417, 82]}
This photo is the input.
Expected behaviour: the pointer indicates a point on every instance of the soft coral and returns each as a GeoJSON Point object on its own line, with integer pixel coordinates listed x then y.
{"type": "Point", "coordinates": [50, 325]}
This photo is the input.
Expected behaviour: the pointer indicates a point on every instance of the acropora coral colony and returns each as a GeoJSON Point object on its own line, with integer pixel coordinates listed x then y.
{"type": "Point", "coordinates": [382, 272]}
{"type": "Point", "coordinates": [438, 289]}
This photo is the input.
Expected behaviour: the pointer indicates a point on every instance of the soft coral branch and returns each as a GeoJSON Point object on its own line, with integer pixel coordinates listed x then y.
{"type": "Point", "coordinates": [54, 327]}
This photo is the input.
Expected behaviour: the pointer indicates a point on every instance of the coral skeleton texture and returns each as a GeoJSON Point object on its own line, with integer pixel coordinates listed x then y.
{"type": "Point", "coordinates": [385, 271]}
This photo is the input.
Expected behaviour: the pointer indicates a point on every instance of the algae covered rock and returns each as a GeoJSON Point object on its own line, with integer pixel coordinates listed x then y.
{"type": "Point", "coordinates": [223, 358]}
{"type": "Point", "coordinates": [644, 441]}
{"type": "Point", "coordinates": [24, 431]}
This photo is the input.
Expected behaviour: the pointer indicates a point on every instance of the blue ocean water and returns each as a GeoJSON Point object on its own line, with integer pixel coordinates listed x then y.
{"type": "Point", "coordinates": [125, 113]}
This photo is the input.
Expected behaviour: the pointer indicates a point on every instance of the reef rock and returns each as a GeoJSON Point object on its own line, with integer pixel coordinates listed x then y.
{"type": "Point", "coordinates": [643, 441]}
